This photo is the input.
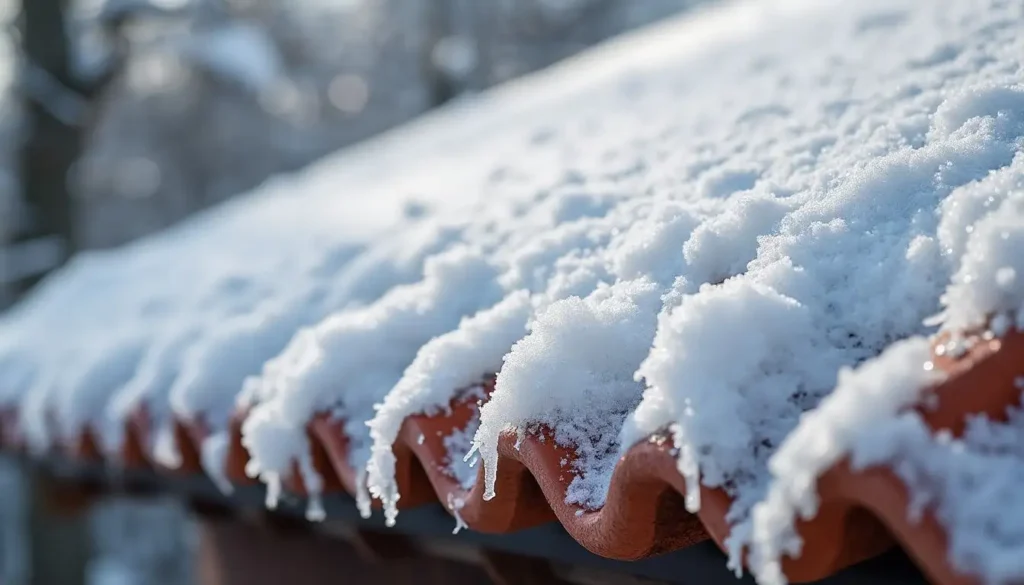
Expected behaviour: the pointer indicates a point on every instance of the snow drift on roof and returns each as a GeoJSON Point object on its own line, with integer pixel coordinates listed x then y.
{"type": "Point", "coordinates": [712, 220]}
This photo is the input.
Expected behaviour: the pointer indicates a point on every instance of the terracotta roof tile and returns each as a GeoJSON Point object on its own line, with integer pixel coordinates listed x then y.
{"type": "Point", "coordinates": [862, 512]}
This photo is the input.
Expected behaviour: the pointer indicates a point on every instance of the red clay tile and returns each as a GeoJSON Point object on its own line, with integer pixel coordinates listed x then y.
{"type": "Point", "coordinates": [861, 512]}
{"type": "Point", "coordinates": [86, 447]}
{"type": "Point", "coordinates": [135, 452]}
{"type": "Point", "coordinates": [981, 381]}
{"type": "Point", "coordinates": [237, 457]}
{"type": "Point", "coordinates": [330, 444]}
{"type": "Point", "coordinates": [82, 446]}
{"type": "Point", "coordinates": [878, 492]}
{"type": "Point", "coordinates": [189, 436]}
{"type": "Point", "coordinates": [521, 502]}
{"type": "Point", "coordinates": [531, 487]}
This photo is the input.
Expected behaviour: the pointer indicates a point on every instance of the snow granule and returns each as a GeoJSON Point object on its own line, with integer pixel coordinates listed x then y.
{"type": "Point", "coordinates": [348, 362]}
{"type": "Point", "coordinates": [734, 352]}
{"type": "Point", "coordinates": [970, 483]}
{"type": "Point", "coordinates": [573, 373]}
{"type": "Point", "coordinates": [452, 361]}
{"type": "Point", "coordinates": [986, 284]}
{"type": "Point", "coordinates": [849, 417]}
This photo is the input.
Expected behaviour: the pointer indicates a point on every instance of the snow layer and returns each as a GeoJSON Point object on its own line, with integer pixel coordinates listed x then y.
{"type": "Point", "coordinates": [694, 230]}
{"type": "Point", "coordinates": [459, 359]}
{"type": "Point", "coordinates": [879, 390]}
{"type": "Point", "coordinates": [865, 418]}
{"type": "Point", "coordinates": [574, 374]}
{"type": "Point", "coordinates": [866, 252]}
{"type": "Point", "coordinates": [197, 309]}
{"type": "Point", "coordinates": [989, 283]}
{"type": "Point", "coordinates": [960, 479]}
{"type": "Point", "coordinates": [970, 483]}
{"type": "Point", "coordinates": [348, 362]}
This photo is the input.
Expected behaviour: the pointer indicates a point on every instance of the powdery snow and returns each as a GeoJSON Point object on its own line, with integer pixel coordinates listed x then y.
{"type": "Point", "coordinates": [989, 283]}
{"type": "Point", "coordinates": [459, 359]}
{"type": "Point", "coordinates": [876, 391]}
{"type": "Point", "coordinates": [864, 417]}
{"type": "Point", "coordinates": [697, 229]}
{"type": "Point", "coordinates": [574, 374]}
{"type": "Point", "coordinates": [224, 284]}
{"type": "Point", "coordinates": [972, 484]}
{"type": "Point", "coordinates": [348, 362]}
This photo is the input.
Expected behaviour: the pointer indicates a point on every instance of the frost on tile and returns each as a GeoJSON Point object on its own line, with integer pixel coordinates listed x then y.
{"type": "Point", "coordinates": [461, 463]}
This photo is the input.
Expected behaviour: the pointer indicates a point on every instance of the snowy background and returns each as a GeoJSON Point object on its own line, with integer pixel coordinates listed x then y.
{"type": "Point", "coordinates": [203, 99]}
{"type": "Point", "coordinates": [291, 81]}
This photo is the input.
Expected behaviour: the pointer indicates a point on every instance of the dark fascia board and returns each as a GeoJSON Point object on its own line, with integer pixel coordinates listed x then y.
{"type": "Point", "coordinates": [701, 563]}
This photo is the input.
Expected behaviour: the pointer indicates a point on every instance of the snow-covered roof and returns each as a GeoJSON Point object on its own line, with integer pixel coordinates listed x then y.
{"type": "Point", "coordinates": [741, 228]}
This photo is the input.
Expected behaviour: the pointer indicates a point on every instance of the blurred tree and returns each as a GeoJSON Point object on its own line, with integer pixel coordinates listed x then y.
{"type": "Point", "coordinates": [53, 112]}
{"type": "Point", "coordinates": [52, 124]}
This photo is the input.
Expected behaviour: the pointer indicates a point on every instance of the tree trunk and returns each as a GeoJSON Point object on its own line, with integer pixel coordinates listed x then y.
{"type": "Point", "coordinates": [59, 544]}
{"type": "Point", "coordinates": [52, 143]}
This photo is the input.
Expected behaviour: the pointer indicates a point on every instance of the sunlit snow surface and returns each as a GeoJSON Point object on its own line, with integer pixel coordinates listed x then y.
{"type": "Point", "coordinates": [697, 228]}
